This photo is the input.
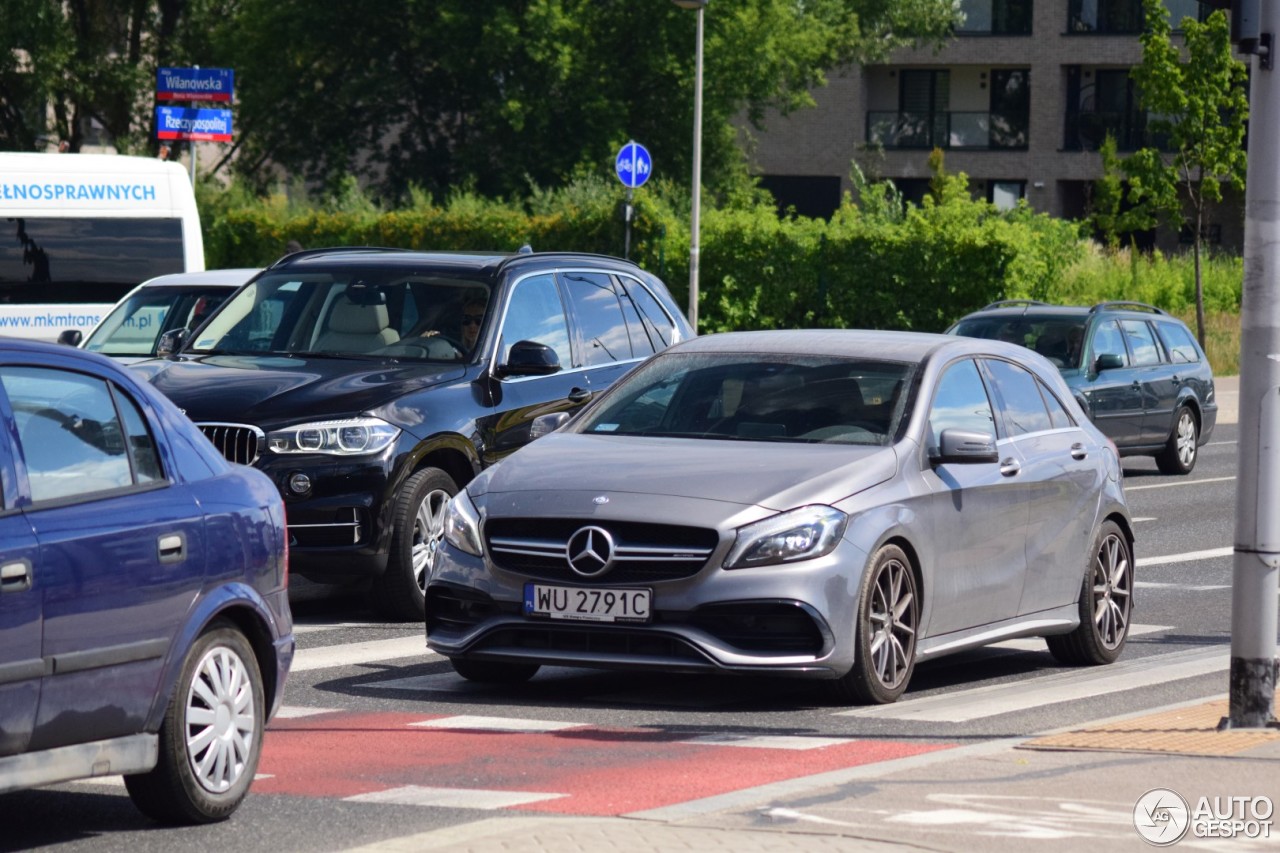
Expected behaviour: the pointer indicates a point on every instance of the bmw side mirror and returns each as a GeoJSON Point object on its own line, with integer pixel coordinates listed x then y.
{"type": "Point", "coordinates": [547, 424]}
{"type": "Point", "coordinates": [965, 447]}
{"type": "Point", "coordinates": [529, 358]}
{"type": "Point", "coordinates": [171, 341]}
{"type": "Point", "coordinates": [1107, 361]}
{"type": "Point", "coordinates": [71, 337]}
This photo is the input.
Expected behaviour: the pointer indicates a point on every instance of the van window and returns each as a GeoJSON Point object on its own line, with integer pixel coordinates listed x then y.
{"type": "Point", "coordinates": [79, 260]}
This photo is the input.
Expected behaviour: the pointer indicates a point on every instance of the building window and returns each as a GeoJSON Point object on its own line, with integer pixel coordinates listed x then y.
{"type": "Point", "coordinates": [1104, 16]}
{"type": "Point", "coordinates": [995, 17]}
{"type": "Point", "coordinates": [923, 119]}
{"type": "Point", "coordinates": [1101, 102]}
{"type": "Point", "coordinates": [1010, 107]}
{"type": "Point", "coordinates": [1006, 194]}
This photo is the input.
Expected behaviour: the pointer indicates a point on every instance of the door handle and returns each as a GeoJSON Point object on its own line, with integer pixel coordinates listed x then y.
{"type": "Point", "coordinates": [579, 395]}
{"type": "Point", "coordinates": [172, 547]}
{"type": "Point", "coordinates": [1078, 451]}
{"type": "Point", "coordinates": [1010, 467]}
{"type": "Point", "coordinates": [15, 576]}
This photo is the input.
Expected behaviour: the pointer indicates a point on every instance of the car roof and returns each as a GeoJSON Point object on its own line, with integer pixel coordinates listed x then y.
{"type": "Point", "coordinates": [1015, 308]}
{"type": "Point", "coordinates": [375, 257]}
{"type": "Point", "coordinates": [852, 343]}
{"type": "Point", "coordinates": [211, 278]}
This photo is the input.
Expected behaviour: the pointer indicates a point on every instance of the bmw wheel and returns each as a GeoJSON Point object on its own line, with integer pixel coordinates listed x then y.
{"type": "Point", "coordinates": [211, 738]}
{"type": "Point", "coordinates": [400, 592]}
{"type": "Point", "coordinates": [887, 621]}
{"type": "Point", "coordinates": [1179, 454]}
{"type": "Point", "coordinates": [1106, 604]}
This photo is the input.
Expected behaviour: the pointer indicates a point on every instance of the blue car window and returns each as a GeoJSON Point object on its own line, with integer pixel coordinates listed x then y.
{"type": "Point", "coordinates": [70, 435]}
{"type": "Point", "coordinates": [1019, 395]}
{"type": "Point", "coordinates": [142, 447]}
{"type": "Point", "coordinates": [961, 402]}
{"type": "Point", "coordinates": [535, 313]}
{"type": "Point", "coordinates": [1142, 342]}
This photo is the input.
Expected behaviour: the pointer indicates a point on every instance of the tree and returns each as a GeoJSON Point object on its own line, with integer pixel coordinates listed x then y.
{"type": "Point", "coordinates": [1197, 108]}
{"type": "Point", "coordinates": [498, 95]}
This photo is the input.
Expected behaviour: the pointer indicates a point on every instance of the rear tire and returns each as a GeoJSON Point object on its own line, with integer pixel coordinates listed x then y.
{"type": "Point", "coordinates": [1180, 452]}
{"type": "Point", "coordinates": [885, 639]}
{"type": "Point", "coordinates": [1106, 604]}
{"type": "Point", "coordinates": [211, 737]}
{"type": "Point", "coordinates": [493, 672]}
{"type": "Point", "coordinates": [399, 593]}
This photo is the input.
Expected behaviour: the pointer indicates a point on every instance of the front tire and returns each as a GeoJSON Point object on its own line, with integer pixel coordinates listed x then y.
{"type": "Point", "coordinates": [211, 737]}
{"type": "Point", "coordinates": [886, 625]}
{"type": "Point", "coordinates": [418, 529]}
{"type": "Point", "coordinates": [1106, 604]}
{"type": "Point", "coordinates": [1180, 452]}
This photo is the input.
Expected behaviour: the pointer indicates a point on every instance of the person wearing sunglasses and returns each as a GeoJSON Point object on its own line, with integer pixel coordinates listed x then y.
{"type": "Point", "coordinates": [468, 325]}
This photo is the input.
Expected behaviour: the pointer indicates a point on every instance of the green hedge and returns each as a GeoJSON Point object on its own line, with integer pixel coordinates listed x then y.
{"type": "Point", "coordinates": [874, 266]}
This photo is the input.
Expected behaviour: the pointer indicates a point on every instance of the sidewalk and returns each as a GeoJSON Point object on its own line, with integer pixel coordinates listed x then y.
{"type": "Point", "coordinates": [1064, 791]}
{"type": "Point", "coordinates": [1227, 391]}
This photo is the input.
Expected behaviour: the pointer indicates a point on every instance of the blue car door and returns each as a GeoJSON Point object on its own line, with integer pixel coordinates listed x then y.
{"type": "Point", "coordinates": [21, 666]}
{"type": "Point", "coordinates": [120, 551]}
{"type": "Point", "coordinates": [1114, 394]}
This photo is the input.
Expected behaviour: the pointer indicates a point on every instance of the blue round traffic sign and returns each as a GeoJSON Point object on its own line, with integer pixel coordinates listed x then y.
{"type": "Point", "coordinates": [633, 164]}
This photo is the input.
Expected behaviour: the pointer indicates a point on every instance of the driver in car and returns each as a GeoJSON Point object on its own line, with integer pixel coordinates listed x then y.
{"type": "Point", "coordinates": [472, 317]}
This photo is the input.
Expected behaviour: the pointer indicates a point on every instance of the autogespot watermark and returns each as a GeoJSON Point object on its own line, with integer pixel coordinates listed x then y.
{"type": "Point", "coordinates": [1162, 817]}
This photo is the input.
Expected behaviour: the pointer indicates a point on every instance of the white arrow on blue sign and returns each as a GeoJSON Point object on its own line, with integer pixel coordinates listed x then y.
{"type": "Point", "coordinates": [633, 164]}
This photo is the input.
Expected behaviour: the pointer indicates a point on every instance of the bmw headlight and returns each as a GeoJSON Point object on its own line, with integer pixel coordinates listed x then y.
{"type": "Point", "coordinates": [462, 524]}
{"type": "Point", "coordinates": [801, 534]}
{"type": "Point", "coordinates": [339, 438]}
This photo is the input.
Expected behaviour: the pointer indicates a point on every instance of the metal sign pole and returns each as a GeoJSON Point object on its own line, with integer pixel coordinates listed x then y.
{"type": "Point", "coordinates": [1257, 534]}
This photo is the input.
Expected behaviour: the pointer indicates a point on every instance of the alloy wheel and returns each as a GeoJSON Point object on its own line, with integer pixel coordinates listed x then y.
{"type": "Point", "coordinates": [1186, 438]}
{"type": "Point", "coordinates": [1112, 592]}
{"type": "Point", "coordinates": [891, 621]}
{"type": "Point", "coordinates": [428, 533]}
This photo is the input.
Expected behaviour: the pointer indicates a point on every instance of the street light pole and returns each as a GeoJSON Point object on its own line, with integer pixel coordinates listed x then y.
{"type": "Point", "coordinates": [696, 212]}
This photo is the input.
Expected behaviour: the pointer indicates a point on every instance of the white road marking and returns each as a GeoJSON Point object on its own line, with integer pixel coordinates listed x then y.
{"type": "Point", "coordinates": [1186, 557]}
{"type": "Point", "coordinates": [768, 741]}
{"type": "Point", "coordinates": [333, 626]}
{"type": "Point", "coordinates": [1178, 483]}
{"type": "Point", "coordinates": [980, 702]}
{"type": "Point", "coordinates": [1220, 443]}
{"type": "Point", "coordinates": [293, 712]}
{"type": "Point", "coordinates": [454, 798]}
{"type": "Point", "coordinates": [349, 654]}
{"type": "Point", "coordinates": [1136, 520]}
{"type": "Point", "coordinates": [497, 724]}
{"type": "Point", "coordinates": [1182, 586]}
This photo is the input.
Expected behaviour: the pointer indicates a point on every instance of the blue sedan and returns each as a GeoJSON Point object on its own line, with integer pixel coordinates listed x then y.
{"type": "Point", "coordinates": [144, 617]}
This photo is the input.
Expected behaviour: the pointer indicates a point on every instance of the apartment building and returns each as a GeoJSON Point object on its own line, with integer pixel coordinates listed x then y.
{"type": "Point", "coordinates": [1019, 100]}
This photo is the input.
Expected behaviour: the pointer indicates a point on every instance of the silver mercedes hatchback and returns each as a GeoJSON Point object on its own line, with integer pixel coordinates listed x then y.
{"type": "Point", "coordinates": [829, 504]}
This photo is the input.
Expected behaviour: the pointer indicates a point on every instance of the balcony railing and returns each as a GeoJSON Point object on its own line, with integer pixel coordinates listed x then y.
{"type": "Point", "coordinates": [995, 18]}
{"type": "Point", "coordinates": [972, 130]}
{"type": "Point", "coordinates": [1086, 130]}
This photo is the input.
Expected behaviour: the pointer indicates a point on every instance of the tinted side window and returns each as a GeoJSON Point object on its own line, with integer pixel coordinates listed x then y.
{"type": "Point", "coordinates": [1107, 339]}
{"type": "Point", "coordinates": [1018, 393]}
{"type": "Point", "coordinates": [658, 329]}
{"type": "Point", "coordinates": [535, 313]}
{"type": "Point", "coordinates": [71, 438]}
{"type": "Point", "coordinates": [599, 315]}
{"type": "Point", "coordinates": [961, 402]}
{"type": "Point", "coordinates": [1142, 342]}
{"type": "Point", "coordinates": [1057, 412]}
{"type": "Point", "coordinates": [142, 447]}
{"type": "Point", "coordinates": [1177, 339]}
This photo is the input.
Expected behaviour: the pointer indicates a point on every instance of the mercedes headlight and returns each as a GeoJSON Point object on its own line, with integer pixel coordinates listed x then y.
{"type": "Point", "coordinates": [462, 524]}
{"type": "Point", "coordinates": [338, 438]}
{"type": "Point", "coordinates": [801, 534]}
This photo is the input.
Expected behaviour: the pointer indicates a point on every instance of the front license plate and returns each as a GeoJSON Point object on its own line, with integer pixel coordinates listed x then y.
{"type": "Point", "coordinates": [587, 605]}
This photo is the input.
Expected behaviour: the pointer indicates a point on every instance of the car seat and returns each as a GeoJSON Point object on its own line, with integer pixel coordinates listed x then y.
{"type": "Point", "coordinates": [356, 327]}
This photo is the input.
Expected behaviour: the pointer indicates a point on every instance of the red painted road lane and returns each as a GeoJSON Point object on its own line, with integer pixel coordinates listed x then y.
{"type": "Point", "coordinates": [600, 771]}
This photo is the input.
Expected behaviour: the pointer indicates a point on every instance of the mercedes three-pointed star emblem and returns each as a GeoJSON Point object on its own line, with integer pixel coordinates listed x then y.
{"type": "Point", "coordinates": [590, 551]}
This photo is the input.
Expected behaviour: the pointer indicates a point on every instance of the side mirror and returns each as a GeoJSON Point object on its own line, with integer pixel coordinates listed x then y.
{"type": "Point", "coordinates": [547, 424]}
{"type": "Point", "coordinates": [171, 341]}
{"type": "Point", "coordinates": [529, 358]}
{"type": "Point", "coordinates": [1107, 361]}
{"type": "Point", "coordinates": [71, 337]}
{"type": "Point", "coordinates": [964, 446]}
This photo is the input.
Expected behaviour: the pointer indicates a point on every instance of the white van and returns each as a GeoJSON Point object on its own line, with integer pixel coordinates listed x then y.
{"type": "Point", "coordinates": [79, 231]}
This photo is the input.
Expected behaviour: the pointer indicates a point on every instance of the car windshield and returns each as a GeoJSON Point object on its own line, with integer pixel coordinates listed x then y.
{"type": "Point", "coordinates": [134, 326]}
{"type": "Point", "coordinates": [336, 313]}
{"type": "Point", "coordinates": [749, 397]}
{"type": "Point", "coordinates": [1056, 337]}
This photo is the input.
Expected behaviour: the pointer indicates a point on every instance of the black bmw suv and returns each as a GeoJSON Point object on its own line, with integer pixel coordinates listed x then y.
{"type": "Point", "coordinates": [1136, 371]}
{"type": "Point", "coordinates": [371, 384]}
